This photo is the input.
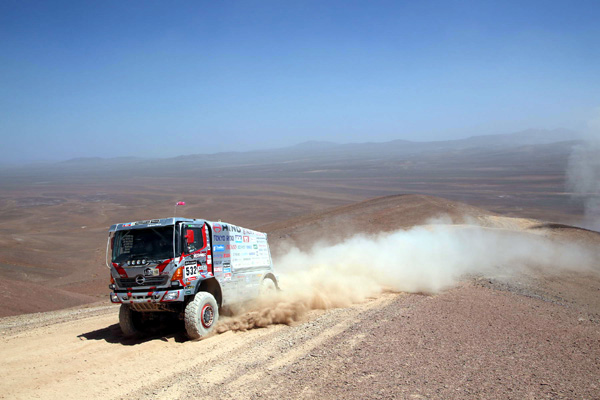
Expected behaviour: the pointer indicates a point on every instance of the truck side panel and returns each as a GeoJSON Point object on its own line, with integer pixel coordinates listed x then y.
{"type": "Point", "coordinates": [241, 259]}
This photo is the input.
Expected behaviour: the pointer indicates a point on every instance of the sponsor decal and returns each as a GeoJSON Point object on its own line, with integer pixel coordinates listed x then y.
{"type": "Point", "coordinates": [231, 246]}
{"type": "Point", "coordinates": [227, 276]}
{"type": "Point", "coordinates": [219, 247]}
{"type": "Point", "coordinates": [217, 228]}
{"type": "Point", "coordinates": [226, 255]}
{"type": "Point", "coordinates": [238, 238]}
{"type": "Point", "coordinates": [191, 262]}
{"type": "Point", "coordinates": [231, 228]}
{"type": "Point", "coordinates": [192, 278]}
{"type": "Point", "coordinates": [199, 255]}
{"type": "Point", "coordinates": [218, 269]}
{"type": "Point", "coordinates": [218, 255]}
{"type": "Point", "coordinates": [246, 239]}
{"type": "Point", "coordinates": [227, 270]}
{"type": "Point", "coordinates": [223, 238]}
{"type": "Point", "coordinates": [151, 272]}
{"type": "Point", "coordinates": [255, 246]}
{"type": "Point", "coordinates": [188, 291]}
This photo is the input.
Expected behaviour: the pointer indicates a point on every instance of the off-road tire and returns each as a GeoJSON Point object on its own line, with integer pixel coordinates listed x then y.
{"type": "Point", "coordinates": [129, 321]}
{"type": "Point", "coordinates": [201, 315]}
{"type": "Point", "coordinates": [268, 286]}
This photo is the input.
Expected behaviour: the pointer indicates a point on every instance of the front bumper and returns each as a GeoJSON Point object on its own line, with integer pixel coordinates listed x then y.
{"type": "Point", "coordinates": [154, 296]}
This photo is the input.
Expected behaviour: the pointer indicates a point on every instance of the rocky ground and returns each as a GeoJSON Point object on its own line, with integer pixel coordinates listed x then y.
{"type": "Point", "coordinates": [473, 341]}
{"type": "Point", "coordinates": [529, 335]}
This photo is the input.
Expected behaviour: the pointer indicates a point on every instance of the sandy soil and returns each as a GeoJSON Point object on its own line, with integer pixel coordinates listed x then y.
{"type": "Point", "coordinates": [530, 336]}
{"type": "Point", "coordinates": [469, 342]}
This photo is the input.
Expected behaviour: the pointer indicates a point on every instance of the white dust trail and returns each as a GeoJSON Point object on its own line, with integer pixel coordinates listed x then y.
{"type": "Point", "coordinates": [424, 259]}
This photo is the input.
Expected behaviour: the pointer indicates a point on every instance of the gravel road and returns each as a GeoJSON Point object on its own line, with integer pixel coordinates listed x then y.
{"type": "Point", "coordinates": [474, 341]}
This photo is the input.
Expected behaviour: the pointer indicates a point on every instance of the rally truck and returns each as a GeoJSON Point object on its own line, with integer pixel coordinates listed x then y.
{"type": "Point", "coordinates": [184, 268]}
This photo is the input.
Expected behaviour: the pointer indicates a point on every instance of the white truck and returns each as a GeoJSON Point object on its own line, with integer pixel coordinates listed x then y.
{"type": "Point", "coordinates": [187, 267]}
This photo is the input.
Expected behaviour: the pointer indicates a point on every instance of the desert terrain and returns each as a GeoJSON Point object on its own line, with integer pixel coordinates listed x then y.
{"type": "Point", "coordinates": [533, 333]}
{"type": "Point", "coordinates": [54, 217]}
{"type": "Point", "coordinates": [517, 318]}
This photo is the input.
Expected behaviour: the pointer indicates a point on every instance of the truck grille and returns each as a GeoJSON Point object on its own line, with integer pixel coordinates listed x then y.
{"type": "Point", "coordinates": [149, 281]}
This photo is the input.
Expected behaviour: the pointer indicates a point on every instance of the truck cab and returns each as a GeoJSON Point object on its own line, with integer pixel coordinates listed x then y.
{"type": "Point", "coordinates": [187, 267]}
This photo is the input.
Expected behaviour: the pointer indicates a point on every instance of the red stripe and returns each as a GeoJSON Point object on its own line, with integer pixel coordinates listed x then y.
{"type": "Point", "coordinates": [164, 264]}
{"type": "Point", "coordinates": [122, 273]}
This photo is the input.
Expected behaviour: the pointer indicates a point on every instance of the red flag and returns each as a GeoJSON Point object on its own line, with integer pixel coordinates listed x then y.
{"type": "Point", "coordinates": [180, 203]}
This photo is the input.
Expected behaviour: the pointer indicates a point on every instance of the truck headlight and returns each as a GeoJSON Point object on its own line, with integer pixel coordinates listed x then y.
{"type": "Point", "coordinates": [171, 296]}
{"type": "Point", "coordinates": [114, 298]}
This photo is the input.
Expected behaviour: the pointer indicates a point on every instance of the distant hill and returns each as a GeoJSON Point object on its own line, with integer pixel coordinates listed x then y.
{"type": "Point", "coordinates": [510, 150]}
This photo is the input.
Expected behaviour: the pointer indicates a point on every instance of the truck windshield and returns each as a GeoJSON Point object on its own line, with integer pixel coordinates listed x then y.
{"type": "Point", "coordinates": [151, 243]}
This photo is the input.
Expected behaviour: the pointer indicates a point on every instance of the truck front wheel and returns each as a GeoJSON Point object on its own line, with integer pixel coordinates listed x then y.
{"type": "Point", "coordinates": [201, 315]}
{"type": "Point", "coordinates": [130, 321]}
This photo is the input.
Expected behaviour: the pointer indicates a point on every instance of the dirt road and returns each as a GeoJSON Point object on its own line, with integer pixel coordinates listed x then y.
{"type": "Point", "coordinates": [469, 342]}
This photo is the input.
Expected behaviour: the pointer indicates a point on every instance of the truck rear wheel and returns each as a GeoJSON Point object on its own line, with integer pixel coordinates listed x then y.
{"type": "Point", "coordinates": [201, 315]}
{"type": "Point", "coordinates": [268, 286]}
{"type": "Point", "coordinates": [130, 321]}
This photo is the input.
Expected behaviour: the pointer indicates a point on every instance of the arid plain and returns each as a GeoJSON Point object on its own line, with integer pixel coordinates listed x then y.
{"type": "Point", "coordinates": [529, 335]}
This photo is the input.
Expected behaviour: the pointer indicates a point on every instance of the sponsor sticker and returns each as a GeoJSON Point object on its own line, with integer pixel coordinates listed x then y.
{"type": "Point", "coordinates": [219, 247]}
{"type": "Point", "coordinates": [238, 238]}
{"type": "Point", "coordinates": [218, 228]}
{"type": "Point", "coordinates": [227, 276]}
{"type": "Point", "coordinates": [246, 239]}
{"type": "Point", "coordinates": [151, 272]}
{"type": "Point", "coordinates": [191, 262]}
{"type": "Point", "coordinates": [218, 269]}
{"type": "Point", "coordinates": [227, 270]}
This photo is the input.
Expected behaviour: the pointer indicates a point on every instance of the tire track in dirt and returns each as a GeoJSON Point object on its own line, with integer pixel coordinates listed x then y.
{"type": "Point", "coordinates": [69, 353]}
{"type": "Point", "coordinates": [243, 371]}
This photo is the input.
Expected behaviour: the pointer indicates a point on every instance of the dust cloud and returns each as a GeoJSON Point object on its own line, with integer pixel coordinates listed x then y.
{"type": "Point", "coordinates": [424, 259]}
{"type": "Point", "coordinates": [583, 175]}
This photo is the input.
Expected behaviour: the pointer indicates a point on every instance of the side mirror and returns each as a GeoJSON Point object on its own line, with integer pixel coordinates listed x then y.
{"type": "Point", "coordinates": [189, 236]}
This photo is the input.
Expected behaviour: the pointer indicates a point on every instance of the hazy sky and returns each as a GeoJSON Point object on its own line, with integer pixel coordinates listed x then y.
{"type": "Point", "coordinates": [163, 78]}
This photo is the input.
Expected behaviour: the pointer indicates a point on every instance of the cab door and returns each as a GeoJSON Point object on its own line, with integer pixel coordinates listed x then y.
{"type": "Point", "coordinates": [196, 251]}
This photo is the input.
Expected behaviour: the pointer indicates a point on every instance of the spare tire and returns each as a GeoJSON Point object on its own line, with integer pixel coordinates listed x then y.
{"type": "Point", "coordinates": [201, 315]}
